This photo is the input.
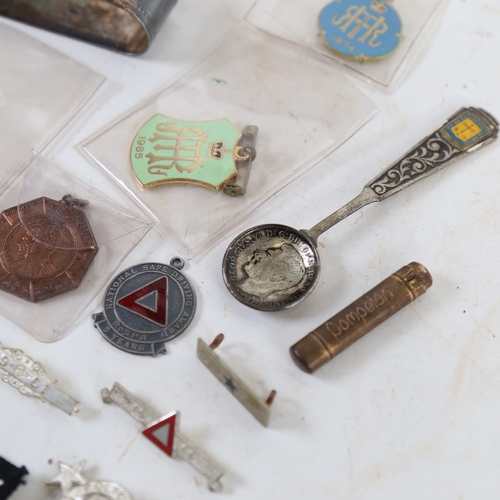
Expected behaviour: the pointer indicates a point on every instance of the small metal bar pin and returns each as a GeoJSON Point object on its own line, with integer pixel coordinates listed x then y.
{"type": "Point", "coordinates": [30, 379]}
{"type": "Point", "coordinates": [164, 434]}
{"type": "Point", "coordinates": [245, 155]}
{"type": "Point", "coordinates": [226, 376]}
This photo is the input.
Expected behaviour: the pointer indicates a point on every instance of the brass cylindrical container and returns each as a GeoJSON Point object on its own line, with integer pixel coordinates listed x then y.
{"type": "Point", "coordinates": [361, 317]}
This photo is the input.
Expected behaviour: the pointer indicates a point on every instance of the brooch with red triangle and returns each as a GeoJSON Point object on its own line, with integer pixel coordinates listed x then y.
{"type": "Point", "coordinates": [164, 433]}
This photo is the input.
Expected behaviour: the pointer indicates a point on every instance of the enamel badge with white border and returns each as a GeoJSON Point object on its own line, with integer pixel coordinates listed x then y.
{"type": "Point", "coordinates": [145, 306]}
{"type": "Point", "coordinates": [206, 153]}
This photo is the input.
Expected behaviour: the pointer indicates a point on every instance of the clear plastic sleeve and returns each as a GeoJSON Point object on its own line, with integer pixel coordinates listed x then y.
{"type": "Point", "coordinates": [32, 259]}
{"type": "Point", "coordinates": [298, 21]}
{"type": "Point", "coordinates": [304, 109]}
{"type": "Point", "coordinates": [40, 91]}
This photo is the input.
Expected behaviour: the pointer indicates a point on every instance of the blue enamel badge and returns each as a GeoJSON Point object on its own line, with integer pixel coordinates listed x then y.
{"type": "Point", "coordinates": [466, 130]}
{"type": "Point", "coordinates": [360, 29]}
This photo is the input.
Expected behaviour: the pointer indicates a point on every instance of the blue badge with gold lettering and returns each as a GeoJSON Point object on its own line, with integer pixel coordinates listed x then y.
{"type": "Point", "coordinates": [363, 30]}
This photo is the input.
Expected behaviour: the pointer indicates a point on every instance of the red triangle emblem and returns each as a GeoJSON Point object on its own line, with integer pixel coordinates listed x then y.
{"type": "Point", "coordinates": [162, 433]}
{"type": "Point", "coordinates": [159, 314]}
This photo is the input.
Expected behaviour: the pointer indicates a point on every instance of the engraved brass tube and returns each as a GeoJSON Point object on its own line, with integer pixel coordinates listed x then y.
{"type": "Point", "coordinates": [361, 317]}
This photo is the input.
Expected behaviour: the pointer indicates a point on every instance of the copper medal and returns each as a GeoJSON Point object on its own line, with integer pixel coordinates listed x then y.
{"type": "Point", "coordinates": [46, 247]}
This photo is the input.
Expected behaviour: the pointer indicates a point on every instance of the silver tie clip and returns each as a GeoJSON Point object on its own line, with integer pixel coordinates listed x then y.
{"type": "Point", "coordinates": [30, 379]}
{"type": "Point", "coordinates": [164, 434]}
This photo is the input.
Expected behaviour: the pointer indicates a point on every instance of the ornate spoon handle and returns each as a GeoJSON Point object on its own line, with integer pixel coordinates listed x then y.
{"type": "Point", "coordinates": [468, 130]}
{"type": "Point", "coordinates": [463, 133]}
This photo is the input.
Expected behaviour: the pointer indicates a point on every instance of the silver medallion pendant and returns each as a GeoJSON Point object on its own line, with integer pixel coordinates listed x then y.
{"type": "Point", "coordinates": [145, 306]}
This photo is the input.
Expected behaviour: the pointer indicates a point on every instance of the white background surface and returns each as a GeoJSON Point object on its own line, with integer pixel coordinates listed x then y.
{"type": "Point", "coordinates": [410, 411]}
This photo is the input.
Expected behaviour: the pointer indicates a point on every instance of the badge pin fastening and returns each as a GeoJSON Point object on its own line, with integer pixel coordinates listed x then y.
{"type": "Point", "coordinates": [260, 409]}
{"type": "Point", "coordinates": [163, 432]}
{"type": "Point", "coordinates": [30, 379]}
{"type": "Point", "coordinates": [245, 156]}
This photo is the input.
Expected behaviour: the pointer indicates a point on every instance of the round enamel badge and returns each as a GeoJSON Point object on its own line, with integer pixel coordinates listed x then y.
{"type": "Point", "coordinates": [145, 306]}
{"type": "Point", "coordinates": [363, 30]}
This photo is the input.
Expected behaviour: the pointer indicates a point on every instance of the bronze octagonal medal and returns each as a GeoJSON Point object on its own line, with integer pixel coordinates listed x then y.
{"type": "Point", "coordinates": [46, 247]}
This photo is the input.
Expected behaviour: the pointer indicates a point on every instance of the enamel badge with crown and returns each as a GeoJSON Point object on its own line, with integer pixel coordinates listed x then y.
{"type": "Point", "coordinates": [167, 150]}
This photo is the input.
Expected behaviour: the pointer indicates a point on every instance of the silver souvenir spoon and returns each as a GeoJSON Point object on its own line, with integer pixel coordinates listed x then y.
{"type": "Point", "coordinates": [272, 267]}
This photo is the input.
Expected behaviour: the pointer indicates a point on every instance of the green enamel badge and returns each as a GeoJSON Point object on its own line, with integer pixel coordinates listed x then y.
{"type": "Point", "coordinates": [169, 150]}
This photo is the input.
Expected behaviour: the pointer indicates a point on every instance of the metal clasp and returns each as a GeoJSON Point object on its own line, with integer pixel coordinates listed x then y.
{"type": "Point", "coordinates": [244, 155]}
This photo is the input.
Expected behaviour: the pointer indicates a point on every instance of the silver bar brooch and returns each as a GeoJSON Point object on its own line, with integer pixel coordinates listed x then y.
{"type": "Point", "coordinates": [163, 432]}
{"type": "Point", "coordinates": [30, 379]}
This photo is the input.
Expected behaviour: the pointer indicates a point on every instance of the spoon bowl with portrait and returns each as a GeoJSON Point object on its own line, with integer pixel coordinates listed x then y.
{"type": "Point", "coordinates": [272, 267]}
